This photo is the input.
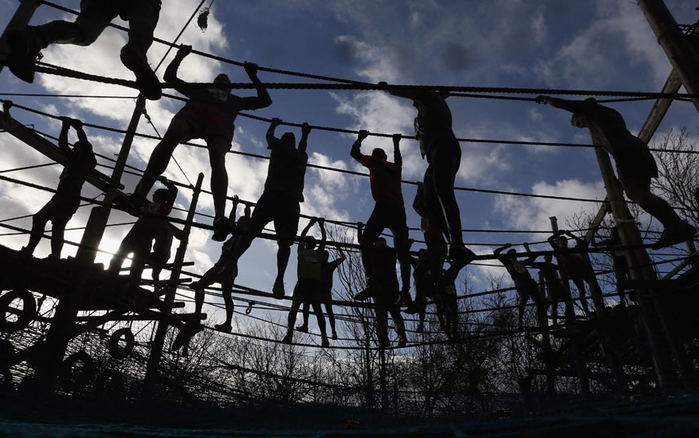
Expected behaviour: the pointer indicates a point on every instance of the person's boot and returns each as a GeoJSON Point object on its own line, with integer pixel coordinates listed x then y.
{"type": "Point", "coordinates": [146, 81]}
{"type": "Point", "coordinates": [278, 289]}
{"type": "Point", "coordinates": [24, 50]}
{"type": "Point", "coordinates": [302, 328]}
{"type": "Point", "coordinates": [324, 341]}
{"type": "Point", "coordinates": [225, 327]}
{"type": "Point", "coordinates": [222, 229]}
{"type": "Point", "coordinates": [288, 338]}
{"type": "Point", "coordinates": [674, 235]}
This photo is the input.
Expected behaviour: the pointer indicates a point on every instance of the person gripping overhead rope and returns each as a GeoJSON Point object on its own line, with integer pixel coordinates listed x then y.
{"type": "Point", "coordinates": [65, 202]}
{"type": "Point", "coordinates": [94, 16]}
{"type": "Point", "coordinates": [209, 114]}
{"type": "Point", "coordinates": [635, 164]}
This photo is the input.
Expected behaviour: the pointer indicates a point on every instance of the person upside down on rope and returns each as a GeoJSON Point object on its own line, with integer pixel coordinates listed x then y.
{"type": "Point", "coordinates": [94, 16]}
{"type": "Point", "coordinates": [279, 201]}
{"type": "Point", "coordinates": [65, 202]}
{"type": "Point", "coordinates": [635, 164]}
{"type": "Point", "coordinates": [209, 114]}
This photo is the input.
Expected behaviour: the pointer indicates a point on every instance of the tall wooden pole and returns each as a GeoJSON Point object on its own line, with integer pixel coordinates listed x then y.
{"type": "Point", "coordinates": [164, 322]}
{"type": "Point", "coordinates": [63, 324]}
{"type": "Point", "coordinates": [677, 46]}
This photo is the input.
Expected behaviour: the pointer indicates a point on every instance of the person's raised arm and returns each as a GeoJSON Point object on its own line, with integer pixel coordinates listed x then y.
{"type": "Point", "coordinates": [171, 190]}
{"type": "Point", "coordinates": [497, 251]}
{"type": "Point", "coordinates": [271, 139]}
{"type": "Point", "coordinates": [262, 100]}
{"type": "Point", "coordinates": [305, 130]}
{"type": "Point", "coordinates": [63, 136]}
{"type": "Point", "coordinates": [78, 125]}
{"type": "Point", "coordinates": [171, 71]}
{"type": "Point", "coordinates": [573, 106]}
{"type": "Point", "coordinates": [308, 227]}
{"type": "Point", "coordinates": [397, 158]}
{"type": "Point", "coordinates": [342, 257]}
{"type": "Point", "coordinates": [234, 209]}
{"type": "Point", "coordinates": [531, 257]}
{"type": "Point", "coordinates": [355, 152]}
{"type": "Point", "coordinates": [323, 234]}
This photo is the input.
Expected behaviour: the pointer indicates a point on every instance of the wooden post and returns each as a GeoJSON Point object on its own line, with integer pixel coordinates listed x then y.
{"type": "Point", "coordinates": [164, 323]}
{"type": "Point", "coordinates": [640, 268]}
{"type": "Point", "coordinates": [63, 323]}
{"type": "Point", "coordinates": [677, 46]}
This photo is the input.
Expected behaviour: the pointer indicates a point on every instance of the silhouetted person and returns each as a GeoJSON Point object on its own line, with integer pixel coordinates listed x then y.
{"type": "Point", "coordinates": [619, 263]}
{"type": "Point", "coordinates": [209, 114]}
{"type": "Point", "coordinates": [326, 292]}
{"type": "Point", "coordinates": [65, 202]}
{"type": "Point", "coordinates": [139, 240]}
{"type": "Point", "coordinates": [574, 267]}
{"type": "Point", "coordinates": [635, 164]}
{"type": "Point", "coordinates": [217, 272]}
{"type": "Point", "coordinates": [433, 129]}
{"type": "Point", "coordinates": [389, 210]}
{"type": "Point", "coordinates": [525, 285]}
{"type": "Point", "coordinates": [309, 284]}
{"type": "Point", "coordinates": [550, 286]}
{"type": "Point", "coordinates": [94, 16]}
{"type": "Point", "coordinates": [385, 292]}
{"type": "Point", "coordinates": [280, 200]}
{"type": "Point", "coordinates": [160, 254]}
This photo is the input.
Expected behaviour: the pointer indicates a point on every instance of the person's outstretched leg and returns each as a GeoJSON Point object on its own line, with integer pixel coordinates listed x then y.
{"type": "Point", "coordinates": [283, 254]}
{"type": "Point", "coordinates": [160, 158]}
{"type": "Point", "coordinates": [399, 325]}
{"type": "Point", "coordinates": [226, 292]}
{"type": "Point", "coordinates": [291, 320]}
{"type": "Point", "coordinates": [58, 230]}
{"type": "Point", "coordinates": [39, 221]}
{"type": "Point", "coordinates": [331, 318]}
{"type": "Point", "coordinates": [321, 323]}
{"type": "Point", "coordinates": [143, 18]}
{"type": "Point", "coordinates": [580, 286]}
{"type": "Point", "coordinates": [305, 312]}
{"type": "Point", "coordinates": [400, 239]}
{"type": "Point", "coordinates": [218, 146]}
{"type": "Point", "coordinates": [372, 230]}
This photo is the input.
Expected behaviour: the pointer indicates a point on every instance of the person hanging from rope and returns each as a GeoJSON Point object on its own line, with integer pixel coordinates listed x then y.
{"type": "Point", "coordinates": [215, 274]}
{"type": "Point", "coordinates": [209, 114]}
{"type": "Point", "coordinates": [433, 129]}
{"type": "Point", "coordinates": [574, 267]}
{"type": "Point", "coordinates": [389, 210]}
{"type": "Point", "coordinates": [384, 290]}
{"type": "Point", "coordinates": [620, 265]}
{"type": "Point", "coordinates": [94, 16]}
{"type": "Point", "coordinates": [309, 285]}
{"type": "Point", "coordinates": [525, 285]}
{"type": "Point", "coordinates": [635, 164]}
{"type": "Point", "coordinates": [65, 202]}
{"type": "Point", "coordinates": [279, 201]}
{"type": "Point", "coordinates": [150, 226]}
{"type": "Point", "coordinates": [326, 291]}
{"type": "Point", "coordinates": [550, 286]}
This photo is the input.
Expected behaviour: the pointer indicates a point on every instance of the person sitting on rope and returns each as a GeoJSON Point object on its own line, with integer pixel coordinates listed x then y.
{"type": "Point", "coordinates": [574, 267]}
{"type": "Point", "coordinates": [433, 129]}
{"type": "Point", "coordinates": [525, 285]}
{"type": "Point", "coordinates": [389, 211]}
{"type": "Point", "coordinates": [279, 201]}
{"type": "Point", "coordinates": [619, 263]}
{"type": "Point", "coordinates": [550, 286]}
{"type": "Point", "coordinates": [209, 114]}
{"type": "Point", "coordinates": [309, 285]}
{"type": "Point", "coordinates": [147, 228]}
{"type": "Point", "coordinates": [65, 202]}
{"type": "Point", "coordinates": [327, 271]}
{"type": "Point", "coordinates": [94, 16]}
{"type": "Point", "coordinates": [215, 273]}
{"type": "Point", "coordinates": [635, 164]}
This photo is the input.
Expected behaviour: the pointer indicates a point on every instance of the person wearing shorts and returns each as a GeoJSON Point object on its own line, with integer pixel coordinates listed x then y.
{"type": "Point", "coordinates": [635, 164]}
{"type": "Point", "coordinates": [93, 18]}
{"type": "Point", "coordinates": [209, 114]}
{"type": "Point", "coordinates": [65, 202]}
{"type": "Point", "coordinates": [280, 200]}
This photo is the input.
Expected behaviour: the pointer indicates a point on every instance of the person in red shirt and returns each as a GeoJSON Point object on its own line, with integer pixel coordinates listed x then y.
{"type": "Point", "coordinates": [389, 210]}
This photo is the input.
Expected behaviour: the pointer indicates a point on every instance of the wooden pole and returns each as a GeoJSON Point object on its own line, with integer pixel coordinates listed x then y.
{"type": "Point", "coordinates": [164, 323]}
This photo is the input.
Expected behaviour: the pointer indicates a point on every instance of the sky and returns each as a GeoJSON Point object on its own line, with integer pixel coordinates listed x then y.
{"type": "Point", "coordinates": [588, 45]}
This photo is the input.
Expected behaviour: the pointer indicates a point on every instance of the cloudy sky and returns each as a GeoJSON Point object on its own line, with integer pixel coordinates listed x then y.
{"type": "Point", "coordinates": [588, 45]}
